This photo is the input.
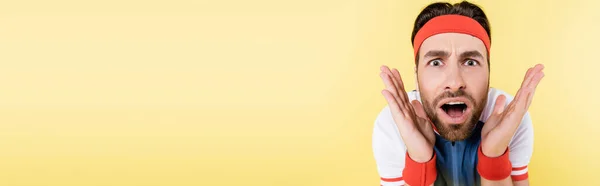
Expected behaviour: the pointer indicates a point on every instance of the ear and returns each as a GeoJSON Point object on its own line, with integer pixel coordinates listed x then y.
{"type": "Point", "coordinates": [416, 79]}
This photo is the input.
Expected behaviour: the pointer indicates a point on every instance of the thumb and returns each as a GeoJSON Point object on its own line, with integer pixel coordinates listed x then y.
{"type": "Point", "coordinates": [499, 105]}
{"type": "Point", "coordinates": [419, 109]}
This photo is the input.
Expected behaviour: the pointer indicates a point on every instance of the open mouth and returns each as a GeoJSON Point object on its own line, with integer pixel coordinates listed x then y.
{"type": "Point", "coordinates": [455, 111]}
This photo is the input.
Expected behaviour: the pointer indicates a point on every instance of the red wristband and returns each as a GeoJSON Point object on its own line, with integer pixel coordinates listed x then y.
{"type": "Point", "coordinates": [419, 174]}
{"type": "Point", "coordinates": [494, 169]}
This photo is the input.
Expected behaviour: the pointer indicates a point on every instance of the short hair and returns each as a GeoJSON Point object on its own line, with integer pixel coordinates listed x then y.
{"type": "Point", "coordinates": [440, 8]}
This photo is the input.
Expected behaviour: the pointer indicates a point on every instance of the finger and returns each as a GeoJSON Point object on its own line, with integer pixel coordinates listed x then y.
{"type": "Point", "coordinates": [402, 92]}
{"type": "Point", "coordinates": [518, 104]}
{"type": "Point", "coordinates": [398, 78]}
{"type": "Point", "coordinates": [419, 109]}
{"type": "Point", "coordinates": [537, 70]}
{"type": "Point", "coordinates": [528, 76]}
{"type": "Point", "coordinates": [533, 86]}
{"type": "Point", "coordinates": [525, 78]}
{"type": "Point", "coordinates": [497, 114]}
{"type": "Point", "coordinates": [386, 69]}
{"type": "Point", "coordinates": [527, 92]}
{"type": "Point", "coordinates": [522, 93]}
{"type": "Point", "coordinates": [536, 80]}
{"type": "Point", "coordinates": [392, 103]}
{"type": "Point", "coordinates": [395, 76]}
{"type": "Point", "coordinates": [523, 83]}
{"type": "Point", "coordinates": [499, 105]}
{"type": "Point", "coordinates": [389, 86]}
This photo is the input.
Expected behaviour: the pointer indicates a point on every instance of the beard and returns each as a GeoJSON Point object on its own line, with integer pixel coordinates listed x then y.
{"type": "Point", "coordinates": [455, 132]}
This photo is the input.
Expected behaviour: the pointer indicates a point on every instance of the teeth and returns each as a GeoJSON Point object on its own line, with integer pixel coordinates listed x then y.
{"type": "Point", "coordinates": [455, 103]}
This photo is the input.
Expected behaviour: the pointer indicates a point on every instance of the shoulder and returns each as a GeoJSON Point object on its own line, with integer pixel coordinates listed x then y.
{"type": "Point", "coordinates": [388, 148]}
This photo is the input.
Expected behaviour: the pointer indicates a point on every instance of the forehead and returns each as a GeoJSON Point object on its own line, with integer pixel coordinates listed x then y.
{"type": "Point", "coordinates": [453, 43]}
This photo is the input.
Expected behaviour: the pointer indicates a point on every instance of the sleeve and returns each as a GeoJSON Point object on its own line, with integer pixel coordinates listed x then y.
{"type": "Point", "coordinates": [521, 145]}
{"type": "Point", "coordinates": [521, 149]}
{"type": "Point", "coordinates": [388, 148]}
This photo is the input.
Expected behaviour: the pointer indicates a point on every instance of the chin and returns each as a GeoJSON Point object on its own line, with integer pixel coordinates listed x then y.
{"type": "Point", "coordinates": [455, 132]}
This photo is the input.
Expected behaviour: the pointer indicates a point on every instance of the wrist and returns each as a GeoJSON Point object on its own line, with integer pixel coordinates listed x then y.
{"type": "Point", "coordinates": [420, 151]}
{"type": "Point", "coordinates": [420, 157]}
{"type": "Point", "coordinates": [492, 152]}
{"type": "Point", "coordinates": [493, 168]}
{"type": "Point", "coordinates": [419, 174]}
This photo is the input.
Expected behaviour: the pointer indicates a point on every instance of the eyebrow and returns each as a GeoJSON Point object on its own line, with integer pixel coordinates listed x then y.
{"type": "Point", "coordinates": [466, 54]}
{"type": "Point", "coordinates": [471, 54]}
{"type": "Point", "coordinates": [436, 53]}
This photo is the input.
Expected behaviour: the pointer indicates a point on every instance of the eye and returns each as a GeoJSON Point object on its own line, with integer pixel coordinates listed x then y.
{"type": "Point", "coordinates": [471, 62]}
{"type": "Point", "coordinates": [435, 62]}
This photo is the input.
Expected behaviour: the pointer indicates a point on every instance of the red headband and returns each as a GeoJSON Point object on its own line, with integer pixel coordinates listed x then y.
{"type": "Point", "coordinates": [451, 24]}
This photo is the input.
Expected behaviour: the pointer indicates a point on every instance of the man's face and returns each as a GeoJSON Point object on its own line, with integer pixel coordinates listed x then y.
{"type": "Point", "coordinates": [453, 80]}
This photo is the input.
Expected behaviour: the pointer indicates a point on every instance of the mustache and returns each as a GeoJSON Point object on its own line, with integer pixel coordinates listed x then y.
{"type": "Point", "coordinates": [450, 94]}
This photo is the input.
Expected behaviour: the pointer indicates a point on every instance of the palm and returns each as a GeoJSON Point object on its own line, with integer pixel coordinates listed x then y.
{"type": "Point", "coordinates": [413, 125]}
{"type": "Point", "coordinates": [502, 124]}
{"type": "Point", "coordinates": [423, 124]}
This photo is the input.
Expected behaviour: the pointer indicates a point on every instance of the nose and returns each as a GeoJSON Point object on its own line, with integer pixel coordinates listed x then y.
{"type": "Point", "coordinates": [455, 80]}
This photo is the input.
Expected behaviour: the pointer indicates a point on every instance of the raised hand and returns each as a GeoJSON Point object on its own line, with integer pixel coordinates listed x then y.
{"type": "Point", "coordinates": [502, 124]}
{"type": "Point", "coordinates": [414, 126]}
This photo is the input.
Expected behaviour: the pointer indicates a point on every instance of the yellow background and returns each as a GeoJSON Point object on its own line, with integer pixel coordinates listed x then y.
{"type": "Point", "coordinates": [259, 92]}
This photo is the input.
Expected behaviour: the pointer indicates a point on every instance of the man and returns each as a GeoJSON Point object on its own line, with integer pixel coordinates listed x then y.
{"type": "Point", "coordinates": [454, 129]}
